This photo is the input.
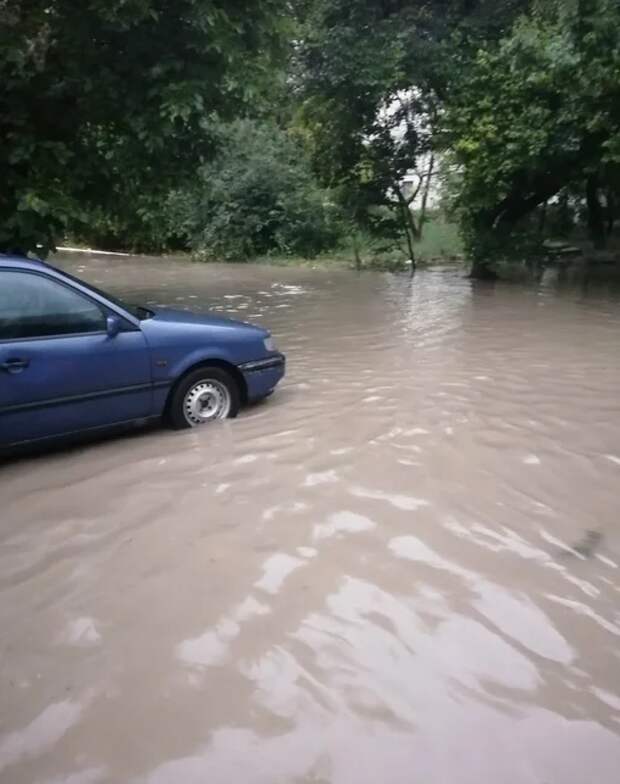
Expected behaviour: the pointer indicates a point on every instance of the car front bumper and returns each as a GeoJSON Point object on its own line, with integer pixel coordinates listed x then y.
{"type": "Point", "coordinates": [262, 375]}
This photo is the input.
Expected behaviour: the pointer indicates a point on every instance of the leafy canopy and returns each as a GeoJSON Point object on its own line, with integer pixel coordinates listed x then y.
{"type": "Point", "coordinates": [534, 112]}
{"type": "Point", "coordinates": [372, 77]}
{"type": "Point", "coordinates": [102, 103]}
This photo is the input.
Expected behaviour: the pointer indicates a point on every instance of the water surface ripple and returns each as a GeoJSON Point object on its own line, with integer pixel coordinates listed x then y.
{"type": "Point", "coordinates": [404, 567]}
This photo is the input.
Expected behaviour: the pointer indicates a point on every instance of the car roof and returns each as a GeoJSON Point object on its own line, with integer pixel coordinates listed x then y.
{"type": "Point", "coordinates": [22, 262]}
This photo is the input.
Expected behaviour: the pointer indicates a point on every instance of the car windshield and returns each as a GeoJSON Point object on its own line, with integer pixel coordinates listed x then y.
{"type": "Point", "coordinates": [138, 311]}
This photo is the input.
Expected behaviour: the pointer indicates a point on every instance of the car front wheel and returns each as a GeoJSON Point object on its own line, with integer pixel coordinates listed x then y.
{"type": "Point", "coordinates": [204, 395]}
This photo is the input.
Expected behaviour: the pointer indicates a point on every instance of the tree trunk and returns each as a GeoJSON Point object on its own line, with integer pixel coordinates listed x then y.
{"type": "Point", "coordinates": [611, 211]}
{"type": "Point", "coordinates": [410, 249]}
{"type": "Point", "coordinates": [542, 220]}
{"type": "Point", "coordinates": [410, 230]}
{"type": "Point", "coordinates": [356, 252]}
{"type": "Point", "coordinates": [566, 219]}
{"type": "Point", "coordinates": [427, 188]}
{"type": "Point", "coordinates": [481, 270]}
{"type": "Point", "coordinates": [596, 218]}
{"type": "Point", "coordinates": [409, 235]}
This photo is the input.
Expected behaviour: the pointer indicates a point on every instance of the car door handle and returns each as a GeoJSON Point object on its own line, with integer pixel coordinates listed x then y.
{"type": "Point", "coordinates": [15, 365]}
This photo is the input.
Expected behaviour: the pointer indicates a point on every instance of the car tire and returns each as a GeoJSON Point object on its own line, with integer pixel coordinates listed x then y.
{"type": "Point", "coordinates": [203, 395]}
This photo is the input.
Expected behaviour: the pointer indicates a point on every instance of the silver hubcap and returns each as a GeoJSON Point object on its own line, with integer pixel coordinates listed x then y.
{"type": "Point", "coordinates": [206, 401]}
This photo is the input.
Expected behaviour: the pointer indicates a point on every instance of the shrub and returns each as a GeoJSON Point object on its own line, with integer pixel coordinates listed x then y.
{"type": "Point", "coordinates": [257, 196]}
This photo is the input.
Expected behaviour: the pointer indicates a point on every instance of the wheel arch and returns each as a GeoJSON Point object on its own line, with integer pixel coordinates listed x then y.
{"type": "Point", "coordinates": [222, 364]}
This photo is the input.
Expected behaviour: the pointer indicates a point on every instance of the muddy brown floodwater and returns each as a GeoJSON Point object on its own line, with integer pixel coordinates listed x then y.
{"type": "Point", "coordinates": [402, 569]}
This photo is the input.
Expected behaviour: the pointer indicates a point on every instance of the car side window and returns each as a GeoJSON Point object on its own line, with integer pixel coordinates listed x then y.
{"type": "Point", "coordinates": [35, 306]}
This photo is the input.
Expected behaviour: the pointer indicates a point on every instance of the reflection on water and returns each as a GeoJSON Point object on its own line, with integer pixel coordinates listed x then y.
{"type": "Point", "coordinates": [403, 567]}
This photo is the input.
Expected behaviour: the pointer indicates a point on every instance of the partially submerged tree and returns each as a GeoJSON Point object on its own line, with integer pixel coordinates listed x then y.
{"type": "Point", "coordinates": [398, 146]}
{"type": "Point", "coordinates": [366, 127]}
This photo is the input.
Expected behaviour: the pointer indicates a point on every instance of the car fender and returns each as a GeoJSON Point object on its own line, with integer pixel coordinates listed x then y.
{"type": "Point", "coordinates": [199, 356]}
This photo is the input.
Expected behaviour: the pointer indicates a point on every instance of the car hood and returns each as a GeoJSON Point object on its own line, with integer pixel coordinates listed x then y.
{"type": "Point", "coordinates": [205, 319]}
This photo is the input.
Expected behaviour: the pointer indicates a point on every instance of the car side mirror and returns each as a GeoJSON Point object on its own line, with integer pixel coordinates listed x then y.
{"type": "Point", "coordinates": [113, 326]}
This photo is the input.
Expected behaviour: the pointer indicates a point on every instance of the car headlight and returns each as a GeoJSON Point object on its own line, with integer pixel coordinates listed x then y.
{"type": "Point", "coordinates": [270, 344]}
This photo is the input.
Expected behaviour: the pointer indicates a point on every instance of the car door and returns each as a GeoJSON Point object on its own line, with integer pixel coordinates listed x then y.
{"type": "Point", "coordinates": [60, 370]}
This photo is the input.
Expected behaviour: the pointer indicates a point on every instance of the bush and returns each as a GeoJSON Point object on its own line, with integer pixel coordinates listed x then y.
{"type": "Point", "coordinates": [258, 196]}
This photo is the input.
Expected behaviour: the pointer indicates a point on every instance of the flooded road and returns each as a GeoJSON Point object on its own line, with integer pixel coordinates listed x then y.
{"type": "Point", "coordinates": [402, 568]}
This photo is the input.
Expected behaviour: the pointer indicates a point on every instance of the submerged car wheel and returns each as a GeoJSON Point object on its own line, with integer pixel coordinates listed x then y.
{"type": "Point", "coordinates": [203, 396]}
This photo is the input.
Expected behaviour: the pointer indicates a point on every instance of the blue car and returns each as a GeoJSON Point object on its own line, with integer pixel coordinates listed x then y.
{"type": "Point", "coordinates": [75, 359]}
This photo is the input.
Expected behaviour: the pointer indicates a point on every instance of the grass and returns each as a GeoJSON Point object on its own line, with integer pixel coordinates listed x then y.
{"type": "Point", "coordinates": [440, 241]}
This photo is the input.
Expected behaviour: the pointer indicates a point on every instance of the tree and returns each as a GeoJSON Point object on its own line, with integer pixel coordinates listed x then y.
{"type": "Point", "coordinates": [106, 106]}
{"type": "Point", "coordinates": [372, 76]}
{"type": "Point", "coordinates": [534, 113]}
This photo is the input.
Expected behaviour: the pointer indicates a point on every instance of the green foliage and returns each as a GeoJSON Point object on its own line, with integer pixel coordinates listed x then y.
{"type": "Point", "coordinates": [258, 195]}
{"type": "Point", "coordinates": [106, 102]}
{"type": "Point", "coordinates": [440, 241]}
{"type": "Point", "coordinates": [363, 127]}
{"type": "Point", "coordinates": [373, 77]}
{"type": "Point", "coordinates": [118, 123]}
{"type": "Point", "coordinates": [533, 113]}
